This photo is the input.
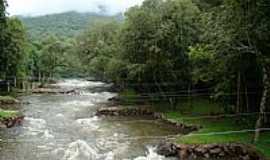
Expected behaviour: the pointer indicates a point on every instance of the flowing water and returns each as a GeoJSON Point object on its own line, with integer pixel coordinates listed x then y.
{"type": "Point", "coordinates": [64, 127]}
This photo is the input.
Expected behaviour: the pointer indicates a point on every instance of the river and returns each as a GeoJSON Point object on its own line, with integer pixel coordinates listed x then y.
{"type": "Point", "coordinates": [64, 127]}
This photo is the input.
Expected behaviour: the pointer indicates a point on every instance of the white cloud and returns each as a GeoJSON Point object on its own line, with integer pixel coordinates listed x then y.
{"type": "Point", "coordinates": [41, 7]}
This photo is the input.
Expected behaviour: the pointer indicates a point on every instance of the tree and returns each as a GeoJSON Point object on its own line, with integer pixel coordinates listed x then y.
{"type": "Point", "coordinates": [239, 34]}
{"type": "Point", "coordinates": [14, 41]}
{"type": "Point", "coordinates": [2, 29]}
{"type": "Point", "coordinates": [156, 38]}
{"type": "Point", "coordinates": [97, 46]}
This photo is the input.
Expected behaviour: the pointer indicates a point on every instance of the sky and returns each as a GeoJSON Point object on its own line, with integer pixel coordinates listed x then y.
{"type": "Point", "coordinates": [43, 7]}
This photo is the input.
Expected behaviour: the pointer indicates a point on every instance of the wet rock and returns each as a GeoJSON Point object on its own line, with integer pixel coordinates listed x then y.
{"type": "Point", "coordinates": [207, 155]}
{"type": "Point", "coordinates": [245, 157]}
{"type": "Point", "coordinates": [52, 91]}
{"type": "Point", "coordinates": [115, 99]}
{"type": "Point", "coordinates": [124, 111]}
{"type": "Point", "coordinates": [2, 125]}
{"type": "Point", "coordinates": [201, 150]}
{"type": "Point", "coordinates": [167, 149]}
{"type": "Point", "coordinates": [183, 154]}
{"type": "Point", "coordinates": [221, 154]}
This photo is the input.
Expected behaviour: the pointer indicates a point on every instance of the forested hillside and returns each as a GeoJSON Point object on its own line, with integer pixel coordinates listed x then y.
{"type": "Point", "coordinates": [66, 24]}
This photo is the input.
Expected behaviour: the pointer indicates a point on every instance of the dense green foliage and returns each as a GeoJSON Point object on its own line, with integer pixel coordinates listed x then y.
{"type": "Point", "coordinates": [97, 47]}
{"type": "Point", "coordinates": [166, 50]}
{"type": "Point", "coordinates": [13, 42]}
{"type": "Point", "coordinates": [167, 46]}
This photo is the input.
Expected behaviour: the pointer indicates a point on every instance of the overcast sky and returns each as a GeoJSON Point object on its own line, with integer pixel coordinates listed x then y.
{"type": "Point", "coordinates": [42, 7]}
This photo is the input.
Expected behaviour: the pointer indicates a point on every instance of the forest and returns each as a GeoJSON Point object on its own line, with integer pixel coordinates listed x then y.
{"type": "Point", "coordinates": [173, 54]}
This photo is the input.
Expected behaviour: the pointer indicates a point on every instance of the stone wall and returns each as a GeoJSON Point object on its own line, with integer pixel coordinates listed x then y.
{"type": "Point", "coordinates": [210, 151]}
{"type": "Point", "coordinates": [145, 111]}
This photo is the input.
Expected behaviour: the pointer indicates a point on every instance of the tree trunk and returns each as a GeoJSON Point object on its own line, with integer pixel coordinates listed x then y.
{"type": "Point", "coordinates": [39, 76]}
{"type": "Point", "coordinates": [247, 99]}
{"type": "Point", "coordinates": [238, 103]}
{"type": "Point", "coordinates": [264, 117]}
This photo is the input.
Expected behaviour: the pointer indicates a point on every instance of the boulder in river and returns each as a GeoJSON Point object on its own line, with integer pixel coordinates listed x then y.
{"type": "Point", "coordinates": [167, 149]}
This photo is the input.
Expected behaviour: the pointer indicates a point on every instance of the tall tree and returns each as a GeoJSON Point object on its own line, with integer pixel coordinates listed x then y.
{"type": "Point", "coordinates": [97, 46]}
{"type": "Point", "coordinates": [155, 40]}
{"type": "Point", "coordinates": [238, 31]}
{"type": "Point", "coordinates": [2, 29]}
{"type": "Point", "coordinates": [13, 49]}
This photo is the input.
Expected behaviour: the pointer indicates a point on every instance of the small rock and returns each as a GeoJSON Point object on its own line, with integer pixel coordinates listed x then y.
{"type": "Point", "coordinates": [183, 154]}
{"type": "Point", "coordinates": [246, 157]}
{"type": "Point", "coordinates": [215, 151]}
{"type": "Point", "coordinates": [206, 155]}
{"type": "Point", "coordinates": [201, 150]}
{"type": "Point", "coordinates": [221, 154]}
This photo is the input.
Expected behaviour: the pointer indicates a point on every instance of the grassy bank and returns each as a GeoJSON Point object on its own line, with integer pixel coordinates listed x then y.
{"type": "Point", "coordinates": [4, 114]}
{"type": "Point", "coordinates": [218, 129]}
{"type": "Point", "coordinates": [206, 113]}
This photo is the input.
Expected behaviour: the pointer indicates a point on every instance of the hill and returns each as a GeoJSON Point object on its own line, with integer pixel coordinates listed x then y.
{"type": "Point", "coordinates": [66, 24]}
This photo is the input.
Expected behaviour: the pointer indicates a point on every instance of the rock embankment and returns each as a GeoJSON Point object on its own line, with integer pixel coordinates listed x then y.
{"type": "Point", "coordinates": [144, 111]}
{"type": "Point", "coordinates": [6, 100]}
{"type": "Point", "coordinates": [209, 151]}
{"type": "Point", "coordinates": [125, 111]}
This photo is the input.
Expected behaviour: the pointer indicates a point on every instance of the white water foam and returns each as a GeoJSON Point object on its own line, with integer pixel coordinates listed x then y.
{"type": "Point", "coordinates": [36, 123]}
{"type": "Point", "coordinates": [47, 135]}
{"type": "Point", "coordinates": [80, 150]}
{"type": "Point", "coordinates": [60, 115]}
{"type": "Point", "coordinates": [88, 122]}
{"type": "Point", "coordinates": [78, 83]}
{"type": "Point", "coordinates": [151, 155]}
{"type": "Point", "coordinates": [110, 156]}
{"type": "Point", "coordinates": [78, 103]}
{"type": "Point", "coordinates": [99, 97]}
{"type": "Point", "coordinates": [35, 126]}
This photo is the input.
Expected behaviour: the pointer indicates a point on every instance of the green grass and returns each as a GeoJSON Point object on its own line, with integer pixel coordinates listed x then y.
{"type": "Point", "coordinates": [201, 114]}
{"type": "Point", "coordinates": [192, 107]}
{"type": "Point", "coordinates": [7, 114]}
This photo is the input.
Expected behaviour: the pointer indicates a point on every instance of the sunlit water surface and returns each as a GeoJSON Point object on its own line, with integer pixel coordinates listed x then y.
{"type": "Point", "coordinates": [64, 127]}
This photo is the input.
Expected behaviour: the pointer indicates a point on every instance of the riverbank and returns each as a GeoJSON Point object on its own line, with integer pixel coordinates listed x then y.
{"type": "Point", "coordinates": [216, 127]}
{"type": "Point", "coordinates": [222, 130]}
{"type": "Point", "coordinates": [146, 112]}
{"type": "Point", "coordinates": [7, 100]}
{"type": "Point", "coordinates": [9, 118]}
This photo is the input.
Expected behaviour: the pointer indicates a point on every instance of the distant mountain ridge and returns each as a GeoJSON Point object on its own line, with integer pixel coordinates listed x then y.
{"type": "Point", "coordinates": [63, 25]}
